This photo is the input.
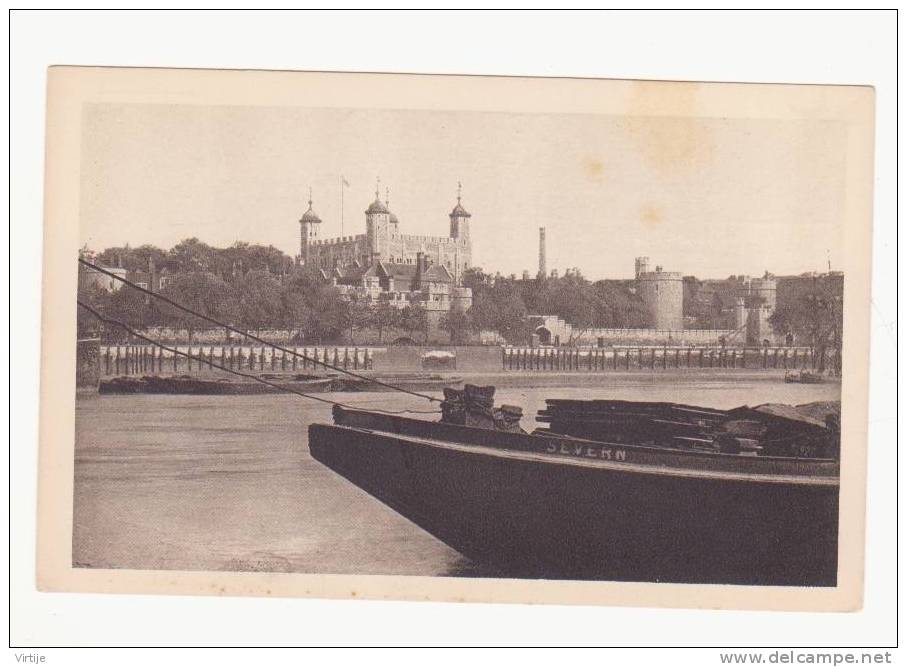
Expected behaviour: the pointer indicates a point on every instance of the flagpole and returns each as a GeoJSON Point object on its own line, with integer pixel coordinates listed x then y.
{"type": "Point", "coordinates": [341, 205]}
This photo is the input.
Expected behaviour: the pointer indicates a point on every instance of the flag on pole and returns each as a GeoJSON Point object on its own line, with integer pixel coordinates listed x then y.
{"type": "Point", "coordinates": [343, 184]}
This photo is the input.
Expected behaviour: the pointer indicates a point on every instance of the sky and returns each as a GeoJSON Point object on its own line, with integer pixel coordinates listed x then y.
{"type": "Point", "coordinates": [710, 197]}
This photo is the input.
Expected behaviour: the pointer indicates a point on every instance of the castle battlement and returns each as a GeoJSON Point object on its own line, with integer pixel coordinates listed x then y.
{"type": "Point", "coordinates": [429, 239]}
{"type": "Point", "coordinates": [660, 275]}
{"type": "Point", "coordinates": [338, 240]}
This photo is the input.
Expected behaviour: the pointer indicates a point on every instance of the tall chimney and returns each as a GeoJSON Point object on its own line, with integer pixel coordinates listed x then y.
{"type": "Point", "coordinates": [543, 263]}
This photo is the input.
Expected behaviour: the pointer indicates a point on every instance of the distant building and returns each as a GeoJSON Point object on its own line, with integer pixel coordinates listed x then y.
{"type": "Point", "coordinates": [151, 279]}
{"type": "Point", "coordinates": [383, 264]}
{"type": "Point", "coordinates": [90, 277]}
{"type": "Point", "coordinates": [383, 242]}
{"type": "Point", "coordinates": [662, 293]}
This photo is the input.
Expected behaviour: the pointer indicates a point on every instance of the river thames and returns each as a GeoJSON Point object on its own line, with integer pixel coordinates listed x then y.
{"type": "Point", "coordinates": [227, 482]}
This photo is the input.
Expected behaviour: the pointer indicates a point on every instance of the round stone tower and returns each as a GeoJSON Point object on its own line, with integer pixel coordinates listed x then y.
{"type": "Point", "coordinates": [761, 302]}
{"type": "Point", "coordinates": [763, 291]}
{"type": "Point", "coordinates": [662, 292]}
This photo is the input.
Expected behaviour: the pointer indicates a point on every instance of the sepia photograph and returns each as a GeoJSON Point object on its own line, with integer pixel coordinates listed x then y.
{"type": "Point", "coordinates": [462, 330]}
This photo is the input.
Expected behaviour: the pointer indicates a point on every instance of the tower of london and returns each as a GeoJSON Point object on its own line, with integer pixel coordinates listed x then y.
{"type": "Point", "coordinates": [384, 242]}
{"type": "Point", "coordinates": [384, 265]}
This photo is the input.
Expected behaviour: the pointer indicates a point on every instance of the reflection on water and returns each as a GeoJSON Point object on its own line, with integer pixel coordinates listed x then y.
{"type": "Point", "coordinates": [227, 483]}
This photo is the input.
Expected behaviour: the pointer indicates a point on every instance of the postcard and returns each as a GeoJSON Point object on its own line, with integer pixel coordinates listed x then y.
{"type": "Point", "coordinates": [455, 338]}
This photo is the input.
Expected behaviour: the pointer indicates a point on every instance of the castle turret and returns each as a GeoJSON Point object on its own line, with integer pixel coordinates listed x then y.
{"type": "Point", "coordinates": [662, 292]}
{"type": "Point", "coordinates": [393, 222]}
{"type": "Point", "coordinates": [309, 231]}
{"type": "Point", "coordinates": [762, 299]}
{"type": "Point", "coordinates": [377, 223]}
{"type": "Point", "coordinates": [459, 232]}
{"type": "Point", "coordinates": [459, 218]}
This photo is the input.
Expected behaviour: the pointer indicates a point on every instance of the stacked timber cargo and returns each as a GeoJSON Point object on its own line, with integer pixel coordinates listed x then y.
{"type": "Point", "coordinates": [810, 430]}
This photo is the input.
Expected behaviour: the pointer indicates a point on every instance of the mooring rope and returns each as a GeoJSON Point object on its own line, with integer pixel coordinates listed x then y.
{"type": "Point", "coordinates": [251, 376]}
{"type": "Point", "coordinates": [240, 332]}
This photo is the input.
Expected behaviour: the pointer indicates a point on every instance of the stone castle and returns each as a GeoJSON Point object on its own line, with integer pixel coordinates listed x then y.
{"type": "Point", "coordinates": [383, 242]}
{"type": "Point", "coordinates": [385, 264]}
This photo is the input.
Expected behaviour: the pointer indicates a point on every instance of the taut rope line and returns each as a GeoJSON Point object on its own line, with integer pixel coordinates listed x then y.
{"type": "Point", "coordinates": [202, 360]}
{"type": "Point", "coordinates": [240, 332]}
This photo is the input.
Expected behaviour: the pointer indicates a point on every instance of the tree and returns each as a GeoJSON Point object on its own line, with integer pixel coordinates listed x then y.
{"type": "Point", "coordinates": [385, 317]}
{"type": "Point", "coordinates": [817, 316]}
{"type": "Point", "coordinates": [457, 325]}
{"type": "Point", "coordinates": [202, 293]}
{"type": "Point", "coordinates": [475, 278]}
{"type": "Point", "coordinates": [193, 256]}
{"type": "Point", "coordinates": [616, 307]}
{"type": "Point", "coordinates": [414, 318]}
{"type": "Point", "coordinates": [131, 307]}
{"type": "Point", "coordinates": [500, 308]}
{"type": "Point", "coordinates": [314, 309]}
{"type": "Point", "coordinates": [246, 257]}
{"type": "Point", "coordinates": [258, 302]}
{"type": "Point", "coordinates": [87, 325]}
{"type": "Point", "coordinates": [132, 259]}
{"type": "Point", "coordinates": [357, 315]}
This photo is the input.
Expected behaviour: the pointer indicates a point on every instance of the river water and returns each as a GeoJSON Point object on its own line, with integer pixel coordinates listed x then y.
{"type": "Point", "coordinates": [227, 483]}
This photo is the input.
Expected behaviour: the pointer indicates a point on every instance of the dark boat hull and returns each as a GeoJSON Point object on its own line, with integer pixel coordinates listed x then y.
{"type": "Point", "coordinates": [532, 514]}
